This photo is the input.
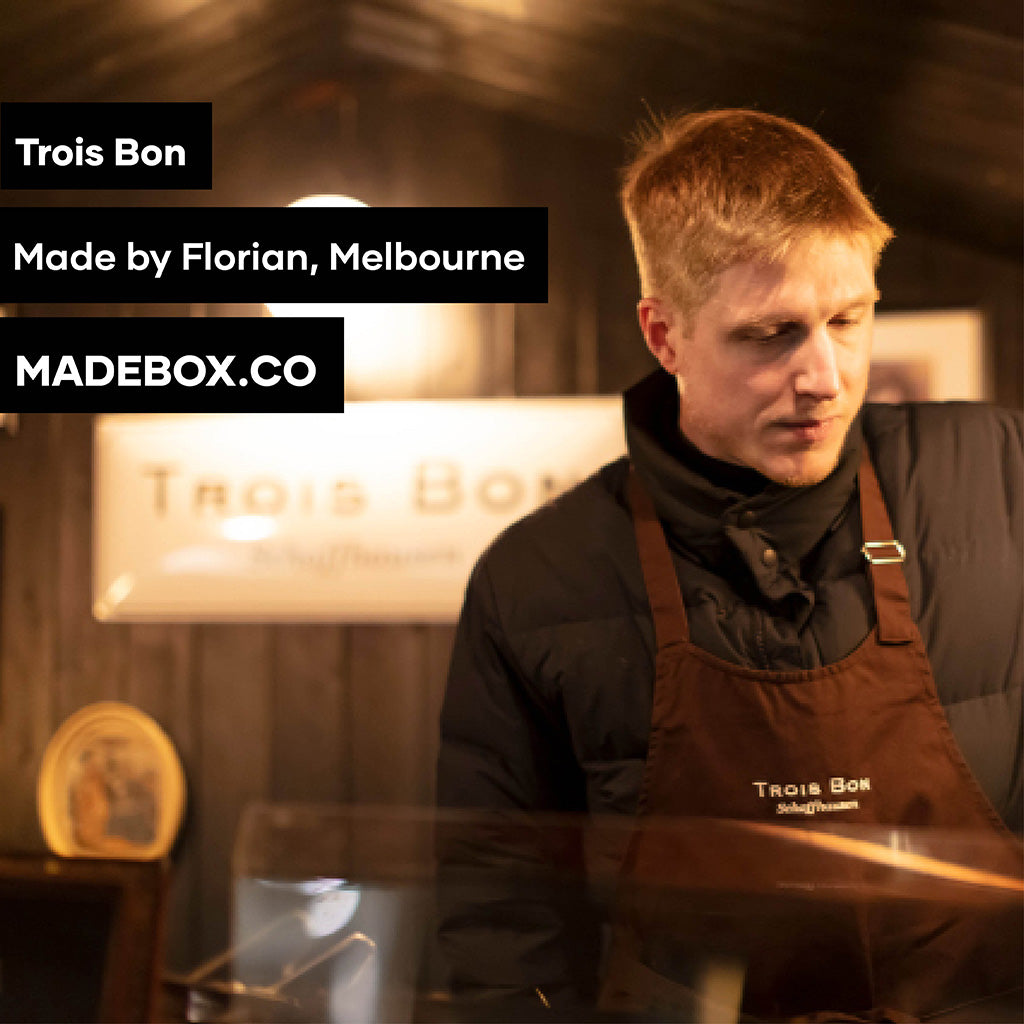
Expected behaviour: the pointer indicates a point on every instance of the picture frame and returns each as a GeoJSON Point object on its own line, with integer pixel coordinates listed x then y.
{"type": "Point", "coordinates": [110, 786]}
{"type": "Point", "coordinates": [929, 356]}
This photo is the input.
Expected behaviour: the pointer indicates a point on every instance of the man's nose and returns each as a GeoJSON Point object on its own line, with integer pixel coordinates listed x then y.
{"type": "Point", "coordinates": [817, 371]}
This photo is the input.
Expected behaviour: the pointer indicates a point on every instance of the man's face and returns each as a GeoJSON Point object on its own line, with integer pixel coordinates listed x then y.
{"type": "Point", "coordinates": [773, 367]}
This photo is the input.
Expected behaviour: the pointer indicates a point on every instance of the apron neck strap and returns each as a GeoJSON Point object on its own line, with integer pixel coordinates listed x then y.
{"type": "Point", "coordinates": [885, 555]}
{"type": "Point", "coordinates": [882, 551]}
{"type": "Point", "coordinates": [670, 622]}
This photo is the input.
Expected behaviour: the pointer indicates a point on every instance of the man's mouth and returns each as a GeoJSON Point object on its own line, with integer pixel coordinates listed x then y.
{"type": "Point", "coordinates": [810, 429]}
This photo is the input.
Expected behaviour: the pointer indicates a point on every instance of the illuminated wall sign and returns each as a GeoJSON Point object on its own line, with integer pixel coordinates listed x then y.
{"type": "Point", "coordinates": [376, 514]}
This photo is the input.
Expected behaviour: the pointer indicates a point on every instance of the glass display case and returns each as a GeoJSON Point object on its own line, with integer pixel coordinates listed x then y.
{"type": "Point", "coordinates": [336, 912]}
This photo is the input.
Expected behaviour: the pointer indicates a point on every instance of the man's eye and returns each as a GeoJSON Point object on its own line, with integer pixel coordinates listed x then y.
{"type": "Point", "coordinates": [845, 320]}
{"type": "Point", "coordinates": [780, 333]}
{"type": "Point", "coordinates": [759, 337]}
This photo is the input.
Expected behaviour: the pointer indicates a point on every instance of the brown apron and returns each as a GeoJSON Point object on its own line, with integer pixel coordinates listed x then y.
{"type": "Point", "coordinates": [757, 839]}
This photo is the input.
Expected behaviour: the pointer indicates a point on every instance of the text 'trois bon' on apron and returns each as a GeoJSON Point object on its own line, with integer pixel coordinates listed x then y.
{"type": "Point", "coordinates": [777, 826]}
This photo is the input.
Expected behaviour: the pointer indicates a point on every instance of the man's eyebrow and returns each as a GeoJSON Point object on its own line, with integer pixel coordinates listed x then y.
{"type": "Point", "coordinates": [774, 318]}
{"type": "Point", "coordinates": [764, 321]}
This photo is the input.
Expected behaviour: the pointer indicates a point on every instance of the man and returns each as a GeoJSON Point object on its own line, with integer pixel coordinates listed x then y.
{"type": "Point", "coordinates": [735, 624]}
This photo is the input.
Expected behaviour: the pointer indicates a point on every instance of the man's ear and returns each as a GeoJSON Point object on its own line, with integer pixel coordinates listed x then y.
{"type": "Point", "coordinates": [659, 323]}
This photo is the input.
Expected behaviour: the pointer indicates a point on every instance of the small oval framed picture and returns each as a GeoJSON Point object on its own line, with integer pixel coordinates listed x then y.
{"type": "Point", "coordinates": [110, 785]}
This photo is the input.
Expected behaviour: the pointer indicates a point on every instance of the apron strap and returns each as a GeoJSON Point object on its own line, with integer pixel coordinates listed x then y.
{"type": "Point", "coordinates": [670, 622]}
{"type": "Point", "coordinates": [881, 549]}
{"type": "Point", "coordinates": [884, 555]}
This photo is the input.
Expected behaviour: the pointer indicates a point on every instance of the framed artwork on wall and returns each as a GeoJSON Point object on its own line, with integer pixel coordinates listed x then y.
{"type": "Point", "coordinates": [929, 356]}
{"type": "Point", "coordinates": [110, 785]}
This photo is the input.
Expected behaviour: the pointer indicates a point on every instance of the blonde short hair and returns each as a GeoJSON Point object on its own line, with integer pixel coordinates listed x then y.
{"type": "Point", "coordinates": [708, 190]}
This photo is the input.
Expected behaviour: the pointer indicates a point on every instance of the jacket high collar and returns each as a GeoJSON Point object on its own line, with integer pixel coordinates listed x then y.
{"type": "Point", "coordinates": [713, 509]}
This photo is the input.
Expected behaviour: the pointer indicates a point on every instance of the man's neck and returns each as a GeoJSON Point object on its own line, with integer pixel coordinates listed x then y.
{"type": "Point", "coordinates": [727, 475]}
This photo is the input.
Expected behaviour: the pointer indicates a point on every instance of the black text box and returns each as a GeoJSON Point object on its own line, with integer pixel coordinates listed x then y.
{"type": "Point", "coordinates": [168, 364]}
{"type": "Point", "coordinates": [271, 254]}
{"type": "Point", "coordinates": [106, 145]}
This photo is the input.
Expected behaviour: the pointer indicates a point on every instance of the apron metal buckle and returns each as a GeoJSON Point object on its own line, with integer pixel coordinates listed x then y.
{"type": "Point", "coordinates": [871, 546]}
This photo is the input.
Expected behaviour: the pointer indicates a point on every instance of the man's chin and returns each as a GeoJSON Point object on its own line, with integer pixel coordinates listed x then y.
{"type": "Point", "coordinates": [802, 471]}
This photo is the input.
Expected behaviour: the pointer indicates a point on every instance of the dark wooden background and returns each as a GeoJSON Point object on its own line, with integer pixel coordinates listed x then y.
{"type": "Point", "coordinates": [349, 713]}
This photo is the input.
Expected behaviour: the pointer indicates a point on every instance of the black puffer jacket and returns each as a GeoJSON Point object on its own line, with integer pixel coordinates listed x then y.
{"type": "Point", "coordinates": [549, 696]}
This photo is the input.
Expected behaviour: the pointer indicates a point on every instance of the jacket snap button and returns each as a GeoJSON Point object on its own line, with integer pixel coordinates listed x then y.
{"type": "Point", "coordinates": [747, 518]}
{"type": "Point", "coordinates": [769, 557]}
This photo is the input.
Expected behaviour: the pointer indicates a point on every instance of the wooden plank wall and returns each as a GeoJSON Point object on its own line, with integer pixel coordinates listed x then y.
{"type": "Point", "coordinates": [333, 712]}
{"type": "Point", "coordinates": [320, 713]}
{"type": "Point", "coordinates": [315, 713]}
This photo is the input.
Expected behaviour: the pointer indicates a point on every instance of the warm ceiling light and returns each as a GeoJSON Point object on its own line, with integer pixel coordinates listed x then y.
{"type": "Point", "coordinates": [315, 308]}
{"type": "Point", "coordinates": [395, 349]}
{"type": "Point", "coordinates": [326, 199]}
